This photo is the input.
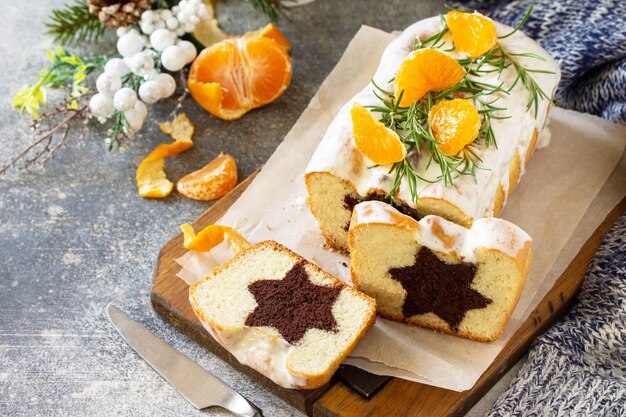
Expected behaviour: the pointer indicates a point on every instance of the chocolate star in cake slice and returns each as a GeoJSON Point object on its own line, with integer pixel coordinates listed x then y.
{"type": "Point", "coordinates": [437, 274]}
{"type": "Point", "coordinates": [282, 315]}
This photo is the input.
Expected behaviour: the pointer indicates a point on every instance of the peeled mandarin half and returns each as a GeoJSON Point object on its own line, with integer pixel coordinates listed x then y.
{"type": "Point", "coordinates": [426, 70]}
{"type": "Point", "coordinates": [455, 124]}
{"type": "Point", "coordinates": [212, 181]}
{"type": "Point", "coordinates": [373, 139]}
{"type": "Point", "coordinates": [239, 74]}
{"type": "Point", "coordinates": [472, 33]}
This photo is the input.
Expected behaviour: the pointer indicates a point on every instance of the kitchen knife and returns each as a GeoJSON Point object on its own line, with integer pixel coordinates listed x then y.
{"type": "Point", "coordinates": [192, 381]}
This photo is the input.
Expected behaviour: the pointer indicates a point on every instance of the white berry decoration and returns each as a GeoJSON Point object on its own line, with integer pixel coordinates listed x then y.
{"type": "Point", "coordinates": [141, 108]}
{"type": "Point", "coordinates": [167, 84]}
{"type": "Point", "coordinates": [134, 121]}
{"type": "Point", "coordinates": [101, 105]}
{"type": "Point", "coordinates": [142, 63]}
{"type": "Point", "coordinates": [173, 58]}
{"type": "Point", "coordinates": [161, 39]}
{"type": "Point", "coordinates": [124, 99]}
{"type": "Point", "coordinates": [116, 67]}
{"type": "Point", "coordinates": [129, 44]}
{"type": "Point", "coordinates": [171, 23]}
{"type": "Point", "coordinates": [108, 84]}
{"type": "Point", "coordinates": [189, 49]}
{"type": "Point", "coordinates": [152, 46]}
{"type": "Point", "coordinates": [150, 92]}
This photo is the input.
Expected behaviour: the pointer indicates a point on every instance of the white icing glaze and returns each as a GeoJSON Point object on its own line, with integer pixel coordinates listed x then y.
{"type": "Point", "coordinates": [544, 136]}
{"type": "Point", "coordinates": [445, 236]}
{"type": "Point", "coordinates": [263, 352]}
{"type": "Point", "coordinates": [337, 155]}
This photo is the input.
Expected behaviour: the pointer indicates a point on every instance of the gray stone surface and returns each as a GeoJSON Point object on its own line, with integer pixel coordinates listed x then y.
{"type": "Point", "coordinates": [74, 235]}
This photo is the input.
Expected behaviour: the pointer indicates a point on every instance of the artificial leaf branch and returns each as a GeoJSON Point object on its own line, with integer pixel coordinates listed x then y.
{"type": "Point", "coordinates": [64, 69]}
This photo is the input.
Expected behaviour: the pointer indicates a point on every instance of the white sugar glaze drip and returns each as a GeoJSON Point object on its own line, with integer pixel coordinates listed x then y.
{"type": "Point", "coordinates": [265, 353]}
{"type": "Point", "coordinates": [446, 237]}
{"type": "Point", "coordinates": [337, 155]}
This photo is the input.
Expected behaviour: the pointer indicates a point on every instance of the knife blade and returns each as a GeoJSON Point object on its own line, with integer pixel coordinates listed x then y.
{"type": "Point", "coordinates": [196, 384]}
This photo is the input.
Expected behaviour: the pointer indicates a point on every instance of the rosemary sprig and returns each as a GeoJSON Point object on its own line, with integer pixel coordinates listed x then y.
{"type": "Point", "coordinates": [497, 60]}
{"type": "Point", "coordinates": [520, 24]}
{"type": "Point", "coordinates": [529, 83]}
{"type": "Point", "coordinates": [75, 24]}
{"type": "Point", "coordinates": [435, 41]}
{"type": "Point", "coordinates": [411, 125]}
{"type": "Point", "coordinates": [486, 134]}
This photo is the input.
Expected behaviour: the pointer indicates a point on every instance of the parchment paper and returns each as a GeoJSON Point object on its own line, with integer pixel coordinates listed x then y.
{"type": "Point", "coordinates": [561, 182]}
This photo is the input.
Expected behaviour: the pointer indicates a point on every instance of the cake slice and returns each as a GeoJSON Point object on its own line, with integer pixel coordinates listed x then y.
{"type": "Point", "coordinates": [282, 315]}
{"type": "Point", "coordinates": [436, 274]}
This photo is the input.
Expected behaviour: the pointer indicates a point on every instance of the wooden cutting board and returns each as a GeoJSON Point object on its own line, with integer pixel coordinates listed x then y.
{"type": "Point", "coordinates": [399, 397]}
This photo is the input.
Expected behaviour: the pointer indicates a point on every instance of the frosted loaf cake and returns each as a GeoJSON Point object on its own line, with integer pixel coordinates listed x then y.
{"type": "Point", "coordinates": [339, 176]}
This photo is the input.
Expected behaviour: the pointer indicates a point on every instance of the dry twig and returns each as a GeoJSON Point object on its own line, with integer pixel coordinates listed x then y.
{"type": "Point", "coordinates": [53, 128]}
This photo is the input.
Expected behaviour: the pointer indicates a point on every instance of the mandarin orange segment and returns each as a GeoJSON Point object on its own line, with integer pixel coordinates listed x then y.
{"type": "Point", "coordinates": [212, 181]}
{"type": "Point", "coordinates": [455, 124]}
{"type": "Point", "coordinates": [269, 76]}
{"type": "Point", "coordinates": [472, 33]}
{"type": "Point", "coordinates": [373, 139]}
{"type": "Point", "coordinates": [237, 75]}
{"type": "Point", "coordinates": [426, 70]}
{"type": "Point", "coordinates": [272, 32]}
{"type": "Point", "coordinates": [211, 236]}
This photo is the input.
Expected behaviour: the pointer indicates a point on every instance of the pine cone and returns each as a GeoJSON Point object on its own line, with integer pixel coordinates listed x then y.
{"type": "Point", "coordinates": [117, 13]}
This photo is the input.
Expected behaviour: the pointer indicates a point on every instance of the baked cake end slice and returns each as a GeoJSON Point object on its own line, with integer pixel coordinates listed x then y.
{"type": "Point", "coordinates": [282, 315]}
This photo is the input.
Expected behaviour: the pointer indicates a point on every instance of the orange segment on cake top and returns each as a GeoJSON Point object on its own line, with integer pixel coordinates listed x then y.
{"type": "Point", "coordinates": [373, 139]}
{"type": "Point", "coordinates": [426, 70]}
{"type": "Point", "coordinates": [472, 33]}
{"type": "Point", "coordinates": [239, 74]}
{"type": "Point", "coordinates": [455, 124]}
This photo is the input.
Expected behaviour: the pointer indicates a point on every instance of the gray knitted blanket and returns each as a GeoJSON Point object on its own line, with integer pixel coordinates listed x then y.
{"type": "Point", "coordinates": [578, 367]}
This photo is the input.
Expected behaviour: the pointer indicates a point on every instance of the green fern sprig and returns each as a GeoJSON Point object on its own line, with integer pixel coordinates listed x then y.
{"type": "Point", "coordinates": [75, 24]}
